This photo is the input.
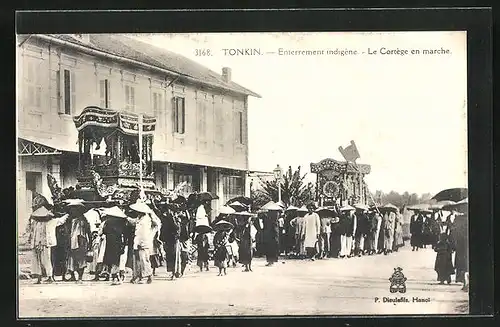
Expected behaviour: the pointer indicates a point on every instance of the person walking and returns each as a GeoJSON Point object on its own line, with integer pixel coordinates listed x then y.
{"type": "Point", "coordinates": [271, 234]}
{"type": "Point", "coordinates": [299, 224]}
{"type": "Point", "coordinates": [362, 229]}
{"type": "Point", "coordinates": [443, 264]}
{"type": "Point", "coordinates": [398, 232]}
{"type": "Point", "coordinates": [312, 231]}
{"type": "Point", "coordinates": [347, 225]}
{"type": "Point", "coordinates": [325, 234]}
{"type": "Point", "coordinates": [145, 224]}
{"type": "Point", "coordinates": [114, 231]}
{"type": "Point", "coordinates": [80, 240]}
{"type": "Point", "coordinates": [41, 230]}
{"type": "Point", "coordinates": [416, 225]}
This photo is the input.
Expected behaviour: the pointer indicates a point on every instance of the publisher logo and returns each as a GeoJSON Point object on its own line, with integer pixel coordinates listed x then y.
{"type": "Point", "coordinates": [398, 281]}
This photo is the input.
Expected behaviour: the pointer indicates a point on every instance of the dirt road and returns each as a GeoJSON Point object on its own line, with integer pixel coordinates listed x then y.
{"type": "Point", "coordinates": [291, 287]}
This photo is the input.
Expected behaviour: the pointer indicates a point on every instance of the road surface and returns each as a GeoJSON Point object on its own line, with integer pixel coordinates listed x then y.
{"type": "Point", "coordinates": [355, 286]}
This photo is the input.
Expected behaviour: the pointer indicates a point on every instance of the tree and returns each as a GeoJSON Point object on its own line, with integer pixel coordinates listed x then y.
{"type": "Point", "coordinates": [294, 191]}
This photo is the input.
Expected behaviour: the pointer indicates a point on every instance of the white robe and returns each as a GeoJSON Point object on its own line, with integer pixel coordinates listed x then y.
{"type": "Point", "coordinates": [312, 229]}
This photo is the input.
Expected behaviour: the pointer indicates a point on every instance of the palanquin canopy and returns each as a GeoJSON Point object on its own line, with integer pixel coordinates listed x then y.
{"type": "Point", "coordinates": [101, 118]}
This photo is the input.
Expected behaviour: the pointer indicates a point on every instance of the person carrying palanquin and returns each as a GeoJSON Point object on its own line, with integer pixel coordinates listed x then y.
{"type": "Point", "coordinates": [80, 239]}
{"type": "Point", "coordinates": [114, 230]}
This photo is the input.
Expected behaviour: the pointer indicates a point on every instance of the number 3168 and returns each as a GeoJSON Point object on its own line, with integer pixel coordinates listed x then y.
{"type": "Point", "coordinates": [202, 52]}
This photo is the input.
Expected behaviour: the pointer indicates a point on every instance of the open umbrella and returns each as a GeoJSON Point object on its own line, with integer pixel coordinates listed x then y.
{"type": "Point", "coordinates": [390, 207]}
{"type": "Point", "coordinates": [440, 204]}
{"type": "Point", "coordinates": [207, 196]}
{"type": "Point", "coordinates": [347, 208]}
{"type": "Point", "coordinates": [419, 207]}
{"type": "Point", "coordinates": [461, 206]}
{"type": "Point", "coordinates": [281, 204]}
{"type": "Point", "coordinates": [222, 225]}
{"type": "Point", "coordinates": [241, 199]}
{"type": "Point", "coordinates": [361, 206]}
{"type": "Point", "coordinates": [326, 212]}
{"type": "Point", "coordinates": [226, 210]}
{"type": "Point", "coordinates": [452, 194]}
{"type": "Point", "coordinates": [202, 229]}
{"type": "Point", "coordinates": [42, 214]}
{"type": "Point", "coordinates": [271, 206]}
{"type": "Point", "coordinates": [291, 208]}
{"type": "Point", "coordinates": [302, 209]}
{"type": "Point", "coordinates": [237, 206]}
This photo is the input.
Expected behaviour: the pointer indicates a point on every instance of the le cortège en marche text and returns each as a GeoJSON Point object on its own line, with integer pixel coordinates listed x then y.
{"type": "Point", "coordinates": [329, 51]}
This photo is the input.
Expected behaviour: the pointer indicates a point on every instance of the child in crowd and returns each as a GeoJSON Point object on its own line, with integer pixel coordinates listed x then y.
{"type": "Point", "coordinates": [202, 245]}
{"type": "Point", "coordinates": [234, 250]}
{"type": "Point", "coordinates": [221, 255]}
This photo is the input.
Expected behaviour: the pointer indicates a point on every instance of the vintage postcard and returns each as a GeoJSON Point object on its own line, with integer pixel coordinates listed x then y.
{"type": "Point", "coordinates": [242, 174]}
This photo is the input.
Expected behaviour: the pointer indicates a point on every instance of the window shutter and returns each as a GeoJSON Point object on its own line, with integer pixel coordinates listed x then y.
{"type": "Point", "coordinates": [132, 97]}
{"type": "Point", "coordinates": [59, 81]}
{"type": "Point", "coordinates": [73, 92]}
{"type": "Point", "coordinates": [38, 97]}
{"type": "Point", "coordinates": [102, 92]}
{"type": "Point", "coordinates": [108, 82]}
{"type": "Point", "coordinates": [127, 97]}
{"type": "Point", "coordinates": [243, 127]}
{"type": "Point", "coordinates": [174, 115]}
{"type": "Point", "coordinates": [183, 115]}
{"type": "Point", "coordinates": [235, 127]}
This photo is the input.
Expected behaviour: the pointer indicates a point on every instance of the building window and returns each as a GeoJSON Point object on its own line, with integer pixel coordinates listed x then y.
{"type": "Point", "coordinates": [33, 85]}
{"type": "Point", "coordinates": [129, 97]}
{"type": "Point", "coordinates": [219, 124]}
{"type": "Point", "coordinates": [158, 107]}
{"type": "Point", "coordinates": [66, 94]}
{"type": "Point", "coordinates": [69, 91]}
{"type": "Point", "coordinates": [238, 123]}
{"type": "Point", "coordinates": [179, 115]}
{"type": "Point", "coordinates": [202, 120]}
{"type": "Point", "coordinates": [232, 187]}
{"type": "Point", "coordinates": [105, 93]}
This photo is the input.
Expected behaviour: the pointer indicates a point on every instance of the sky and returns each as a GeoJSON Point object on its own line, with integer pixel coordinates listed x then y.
{"type": "Point", "coordinates": [406, 112]}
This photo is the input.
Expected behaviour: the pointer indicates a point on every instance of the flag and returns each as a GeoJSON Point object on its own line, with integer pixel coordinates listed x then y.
{"type": "Point", "coordinates": [350, 153]}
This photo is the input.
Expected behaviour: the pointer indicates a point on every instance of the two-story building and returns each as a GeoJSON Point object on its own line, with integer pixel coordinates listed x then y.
{"type": "Point", "coordinates": [201, 132]}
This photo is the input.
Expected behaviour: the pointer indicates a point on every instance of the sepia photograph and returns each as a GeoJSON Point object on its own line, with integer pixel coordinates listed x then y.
{"type": "Point", "coordinates": [242, 174]}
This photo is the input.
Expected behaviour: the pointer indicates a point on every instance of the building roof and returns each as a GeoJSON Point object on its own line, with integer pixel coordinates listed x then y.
{"type": "Point", "coordinates": [133, 49]}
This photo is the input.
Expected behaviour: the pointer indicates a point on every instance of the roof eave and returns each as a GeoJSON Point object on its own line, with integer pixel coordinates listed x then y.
{"type": "Point", "coordinates": [140, 63]}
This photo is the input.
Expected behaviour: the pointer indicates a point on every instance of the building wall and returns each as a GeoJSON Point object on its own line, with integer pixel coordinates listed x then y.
{"type": "Point", "coordinates": [26, 165]}
{"type": "Point", "coordinates": [211, 117]}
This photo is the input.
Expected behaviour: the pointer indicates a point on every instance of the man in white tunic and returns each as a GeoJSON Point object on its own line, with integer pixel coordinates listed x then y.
{"type": "Point", "coordinates": [312, 230]}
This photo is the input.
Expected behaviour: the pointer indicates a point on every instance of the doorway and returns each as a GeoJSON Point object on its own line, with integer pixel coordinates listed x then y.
{"type": "Point", "coordinates": [33, 184]}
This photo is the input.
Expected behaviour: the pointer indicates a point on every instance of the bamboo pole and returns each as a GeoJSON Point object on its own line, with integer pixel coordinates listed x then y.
{"type": "Point", "coordinates": [139, 122]}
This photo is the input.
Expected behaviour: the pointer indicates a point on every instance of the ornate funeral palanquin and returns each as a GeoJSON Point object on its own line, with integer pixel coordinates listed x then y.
{"type": "Point", "coordinates": [120, 165]}
{"type": "Point", "coordinates": [340, 181]}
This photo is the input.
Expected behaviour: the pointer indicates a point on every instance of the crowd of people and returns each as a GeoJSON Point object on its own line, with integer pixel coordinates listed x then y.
{"type": "Point", "coordinates": [448, 238]}
{"type": "Point", "coordinates": [71, 240]}
{"type": "Point", "coordinates": [345, 232]}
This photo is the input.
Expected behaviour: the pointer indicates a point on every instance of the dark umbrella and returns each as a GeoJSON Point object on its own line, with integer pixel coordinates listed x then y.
{"type": "Point", "coordinates": [452, 194]}
{"type": "Point", "coordinates": [326, 212]}
{"type": "Point", "coordinates": [440, 204]}
{"type": "Point", "coordinates": [202, 229]}
{"type": "Point", "coordinates": [223, 225]}
{"type": "Point", "coordinates": [237, 206]}
{"type": "Point", "coordinates": [207, 196]}
{"type": "Point", "coordinates": [461, 206]}
{"type": "Point", "coordinates": [241, 199]}
{"type": "Point", "coordinates": [390, 207]}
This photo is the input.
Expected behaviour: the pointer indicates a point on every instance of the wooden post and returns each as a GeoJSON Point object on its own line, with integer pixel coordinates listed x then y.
{"type": "Point", "coordinates": [139, 123]}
